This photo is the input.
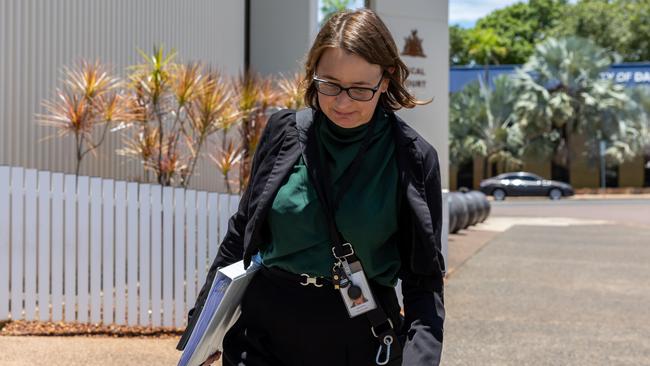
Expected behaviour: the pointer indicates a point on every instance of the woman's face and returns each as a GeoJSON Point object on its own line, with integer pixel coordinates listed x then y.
{"type": "Point", "coordinates": [348, 70]}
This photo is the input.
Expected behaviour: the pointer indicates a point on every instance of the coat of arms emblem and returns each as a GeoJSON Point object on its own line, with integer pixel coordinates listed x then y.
{"type": "Point", "coordinates": [413, 45]}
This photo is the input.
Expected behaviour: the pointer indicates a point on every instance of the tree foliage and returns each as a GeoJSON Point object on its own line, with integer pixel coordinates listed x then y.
{"type": "Point", "coordinates": [560, 94]}
{"type": "Point", "coordinates": [458, 53]}
{"type": "Point", "coordinates": [619, 26]}
{"type": "Point", "coordinates": [482, 124]}
{"type": "Point", "coordinates": [331, 7]}
{"type": "Point", "coordinates": [518, 27]}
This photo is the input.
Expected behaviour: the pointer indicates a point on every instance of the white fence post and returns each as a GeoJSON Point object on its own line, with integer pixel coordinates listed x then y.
{"type": "Point", "coordinates": [234, 204]}
{"type": "Point", "coordinates": [214, 222]}
{"type": "Point", "coordinates": [96, 202]}
{"type": "Point", "coordinates": [17, 243]}
{"type": "Point", "coordinates": [132, 250]}
{"type": "Point", "coordinates": [168, 256]}
{"type": "Point", "coordinates": [83, 185]}
{"type": "Point", "coordinates": [70, 271]}
{"type": "Point", "coordinates": [223, 221]}
{"type": "Point", "coordinates": [4, 242]}
{"type": "Point", "coordinates": [44, 242]}
{"type": "Point", "coordinates": [190, 250]}
{"type": "Point", "coordinates": [57, 246]}
{"type": "Point", "coordinates": [202, 234]}
{"type": "Point", "coordinates": [156, 254]}
{"type": "Point", "coordinates": [108, 243]}
{"type": "Point", "coordinates": [31, 216]}
{"type": "Point", "coordinates": [120, 252]}
{"type": "Point", "coordinates": [145, 250]}
{"type": "Point", "coordinates": [179, 256]}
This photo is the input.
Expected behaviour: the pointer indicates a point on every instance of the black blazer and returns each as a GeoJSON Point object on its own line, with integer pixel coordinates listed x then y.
{"type": "Point", "coordinates": [420, 224]}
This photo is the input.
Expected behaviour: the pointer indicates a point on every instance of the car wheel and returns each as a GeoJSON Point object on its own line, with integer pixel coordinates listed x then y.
{"type": "Point", "coordinates": [499, 194]}
{"type": "Point", "coordinates": [555, 194]}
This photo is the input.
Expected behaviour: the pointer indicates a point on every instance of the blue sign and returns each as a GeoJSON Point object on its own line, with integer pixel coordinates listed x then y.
{"type": "Point", "coordinates": [629, 74]}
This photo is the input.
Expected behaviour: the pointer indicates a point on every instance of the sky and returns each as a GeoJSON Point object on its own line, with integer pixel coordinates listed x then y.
{"type": "Point", "coordinates": [462, 12]}
{"type": "Point", "coordinates": [467, 12]}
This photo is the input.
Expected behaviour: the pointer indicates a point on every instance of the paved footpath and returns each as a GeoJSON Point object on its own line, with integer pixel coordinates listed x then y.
{"type": "Point", "coordinates": [541, 295]}
{"type": "Point", "coordinates": [87, 351]}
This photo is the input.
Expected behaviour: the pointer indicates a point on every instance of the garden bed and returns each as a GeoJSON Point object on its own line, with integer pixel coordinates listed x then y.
{"type": "Point", "coordinates": [62, 329]}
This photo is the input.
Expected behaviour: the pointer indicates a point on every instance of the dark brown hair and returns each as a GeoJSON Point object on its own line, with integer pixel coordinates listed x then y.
{"type": "Point", "coordinates": [364, 34]}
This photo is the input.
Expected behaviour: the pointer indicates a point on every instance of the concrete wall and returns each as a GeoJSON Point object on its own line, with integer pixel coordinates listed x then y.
{"type": "Point", "coordinates": [429, 18]}
{"type": "Point", "coordinates": [539, 167]}
{"type": "Point", "coordinates": [631, 173]}
{"type": "Point", "coordinates": [281, 33]}
{"type": "Point", "coordinates": [39, 37]}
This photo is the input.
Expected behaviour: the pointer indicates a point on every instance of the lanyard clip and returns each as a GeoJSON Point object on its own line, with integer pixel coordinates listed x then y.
{"type": "Point", "coordinates": [343, 255]}
{"type": "Point", "coordinates": [387, 342]}
{"type": "Point", "coordinates": [310, 281]}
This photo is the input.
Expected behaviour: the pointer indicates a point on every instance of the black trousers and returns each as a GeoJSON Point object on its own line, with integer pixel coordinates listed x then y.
{"type": "Point", "coordinates": [286, 324]}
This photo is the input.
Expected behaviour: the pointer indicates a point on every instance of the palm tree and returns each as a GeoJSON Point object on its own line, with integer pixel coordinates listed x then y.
{"type": "Point", "coordinates": [482, 124]}
{"type": "Point", "coordinates": [641, 97]}
{"type": "Point", "coordinates": [560, 93]}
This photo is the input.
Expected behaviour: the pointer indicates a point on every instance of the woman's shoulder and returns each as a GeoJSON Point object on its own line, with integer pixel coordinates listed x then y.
{"type": "Point", "coordinates": [279, 120]}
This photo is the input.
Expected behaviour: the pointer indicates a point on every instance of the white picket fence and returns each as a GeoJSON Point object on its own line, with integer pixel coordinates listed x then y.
{"type": "Point", "coordinates": [102, 251]}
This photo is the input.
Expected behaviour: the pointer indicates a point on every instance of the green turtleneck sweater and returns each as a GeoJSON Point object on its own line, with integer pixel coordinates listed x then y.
{"type": "Point", "coordinates": [367, 214]}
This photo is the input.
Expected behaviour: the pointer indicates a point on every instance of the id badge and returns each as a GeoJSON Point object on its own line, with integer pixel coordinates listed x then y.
{"type": "Point", "coordinates": [357, 296]}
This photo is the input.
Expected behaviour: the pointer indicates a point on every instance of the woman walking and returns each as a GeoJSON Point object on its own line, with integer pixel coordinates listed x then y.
{"type": "Point", "coordinates": [344, 198]}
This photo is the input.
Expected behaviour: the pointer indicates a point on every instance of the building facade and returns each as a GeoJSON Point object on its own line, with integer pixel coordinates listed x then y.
{"type": "Point", "coordinates": [585, 173]}
{"type": "Point", "coordinates": [38, 38]}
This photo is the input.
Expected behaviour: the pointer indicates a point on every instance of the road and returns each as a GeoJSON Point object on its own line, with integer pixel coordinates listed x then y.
{"type": "Point", "coordinates": [619, 211]}
{"type": "Point", "coordinates": [561, 283]}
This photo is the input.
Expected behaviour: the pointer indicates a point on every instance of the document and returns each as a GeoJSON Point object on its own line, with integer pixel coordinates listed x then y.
{"type": "Point", "coordinates": [220, 312]}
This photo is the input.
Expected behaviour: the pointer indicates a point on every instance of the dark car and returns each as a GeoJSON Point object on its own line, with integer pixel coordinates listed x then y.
{"type": "Point", "coordinates": [524, 184]}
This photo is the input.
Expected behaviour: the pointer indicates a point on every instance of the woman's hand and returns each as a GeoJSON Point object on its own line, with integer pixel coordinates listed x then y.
{"type": "Point", "coordinates": [212, 359]}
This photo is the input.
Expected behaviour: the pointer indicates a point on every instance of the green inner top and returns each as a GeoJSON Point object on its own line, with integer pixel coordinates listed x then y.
{"type": "Point", "coordinates": [367, 213]}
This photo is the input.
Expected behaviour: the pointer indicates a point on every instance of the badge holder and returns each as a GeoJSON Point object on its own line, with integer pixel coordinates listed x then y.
{"type": "Point", "coordinates": [351, 281]}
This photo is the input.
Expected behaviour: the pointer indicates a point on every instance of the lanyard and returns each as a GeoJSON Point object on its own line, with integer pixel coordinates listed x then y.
{"type": "Point", "coordinates": [324, 186]}
{"type": "Point", "coordinates": [380, 325]}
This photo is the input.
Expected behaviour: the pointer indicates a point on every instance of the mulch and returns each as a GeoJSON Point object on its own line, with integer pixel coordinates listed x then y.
{"type": "Point", "coordinates": [61, 329]}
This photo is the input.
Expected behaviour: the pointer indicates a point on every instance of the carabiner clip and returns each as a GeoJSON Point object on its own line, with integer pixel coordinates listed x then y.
{"type": "Point", "coordinates": [388, 340]}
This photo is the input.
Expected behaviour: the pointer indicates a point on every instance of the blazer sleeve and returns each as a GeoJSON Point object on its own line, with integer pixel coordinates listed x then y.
{"type": "Point", "coordinates": [231, 249]}
{"type": "Point", "coordinates": [423, 294]}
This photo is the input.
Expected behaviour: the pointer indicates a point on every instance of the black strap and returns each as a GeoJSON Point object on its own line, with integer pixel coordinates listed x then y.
{"type": "Point", "coordinates": [381, 326]}
{"type": "Point", "coordinates": [324, 184]}
{"type": "Point", "coordinates": [321, 178]}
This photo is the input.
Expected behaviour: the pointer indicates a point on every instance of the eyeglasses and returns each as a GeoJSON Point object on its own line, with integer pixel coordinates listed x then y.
{"type": "Point", "coordinates": [357, 93]}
